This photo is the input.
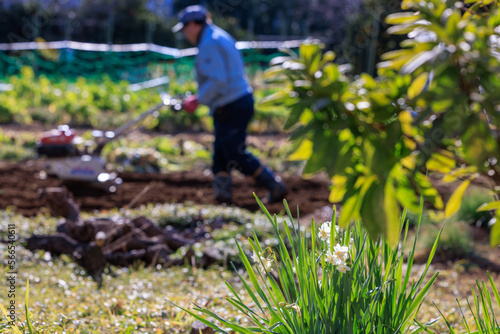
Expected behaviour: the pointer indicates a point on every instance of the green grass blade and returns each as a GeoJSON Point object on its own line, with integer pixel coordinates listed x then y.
{"type": "Point", "coordinates": [241, 301]}
{"type": "Point", "coordinates": [203, 320]}
{"type": "Point", "coordinates": [276, 325]}
{"type": "Point", "coordinates": [445, 320]}
{"type": "Point", "coordinates": [28, 321]}
{"type": "Point", "coordinates": [250, 292]}
{"type": "Point", "coordinates": [487, 306]}
{"type": "Point", "coordinates": [276, 291]}
{"type": "Point", "coordinates": [245, 310]}
{"type": "Point", "coordinates": [14, 328]}
{"type": "Point", "coordinates": [431, 256]}
{"type": "Point", "coordinates": [251, 274]}
{"type": "Point", "coordinates": [476, 319]}
{"type": "Point", "coordinates": [255, 243]}
{"type": "Point", "coordinates": [423, 327]}
{"type": "Point", "coordinates": [494, 288]}
{"type": "Point", "coordinates": [464, 320]}
{"type": "Point", "coordinates": [231, 325]}
{"type": "Point", "coordinates": [263, 208]}
{"type": "Point", "coordinates": [411, 256]}
{"type": "Point", "coordinates": [417, 301]}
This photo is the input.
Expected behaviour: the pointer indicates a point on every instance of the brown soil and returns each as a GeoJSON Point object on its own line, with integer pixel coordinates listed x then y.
{"type": "Point", "coordinates": [20, 183]}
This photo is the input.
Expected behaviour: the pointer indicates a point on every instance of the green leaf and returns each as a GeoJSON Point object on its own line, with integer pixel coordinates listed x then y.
{"type": "Point", "coordinates": [442, 163]}
{"type": "Point", "coordinates": [373, 212]}
{"type": "Point", "coordinates": [391, 208]}
{"type": "Point", "coordinates": [332, 74]}
{"type": "Point", "coordinates": [276, 61]}
{"type": "Point", "coordinates": [303, 152]}
{"type": "Point", "coordinates": [495, 205]}
{"type": "Point", "coordinates": [456, 199]}
{"type": "Point", "coordinates": [452, 23]}
{"type": "Point", "coordinates": [399, 18]}
{"type": "Point", "coordinates": [401, 29]}
{"type": "Point", "coordinates": [417, 86]}
{"type": "Point", "coordinates": [310, 55]}
{"type": "Point", "coordinates": [420, 59]}
{"type": "Point", "coordinates": [428, 191]}
{"type": "Point", "coordinates": [396, 54]}
{"type": "Point", "coordinates": [478, 142]}
{"type": "Point", "coordinates": [273, 72]}
{"type": "Point", "coordinates": [274, 99]}
{"type": "Point", "coordinates": [352, 206]}
{"type": "Point", "coordinates": [461, 172]}
{"type": "Point", "coordinates": [495, 231]}
{"type": "Point", "coordinates": [349, 209]}
{"type": "Point", "coordinates": [328, 57]}
{"type": "Point", "coordinates": [339, 189]}
{"type": "Point", "coordinates": [407, 4]}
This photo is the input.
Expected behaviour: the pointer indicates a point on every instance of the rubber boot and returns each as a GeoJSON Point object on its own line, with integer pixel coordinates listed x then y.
{"type": "Point", "coordinates": [276, 189]}
{"type": "Point", "coordinates": [222, 188]}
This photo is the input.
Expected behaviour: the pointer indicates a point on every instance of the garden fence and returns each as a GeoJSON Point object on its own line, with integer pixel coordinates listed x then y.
{"type": "Point", "coordinates": [131, 62]}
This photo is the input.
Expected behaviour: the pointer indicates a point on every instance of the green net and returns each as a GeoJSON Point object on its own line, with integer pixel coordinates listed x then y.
{"type": "Point", "coordinates": [134, 66]}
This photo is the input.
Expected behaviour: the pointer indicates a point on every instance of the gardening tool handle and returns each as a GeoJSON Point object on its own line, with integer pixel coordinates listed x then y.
{"type": "Point", "coordinates": [120, 130]}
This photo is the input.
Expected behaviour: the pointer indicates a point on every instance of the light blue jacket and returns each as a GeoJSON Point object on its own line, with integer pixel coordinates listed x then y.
{"type": "Point", "coordinates": [220, 71]}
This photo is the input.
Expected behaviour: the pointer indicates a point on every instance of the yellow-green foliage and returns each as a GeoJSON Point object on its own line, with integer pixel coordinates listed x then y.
{"type": "Point", "coordinates": [102, 102]}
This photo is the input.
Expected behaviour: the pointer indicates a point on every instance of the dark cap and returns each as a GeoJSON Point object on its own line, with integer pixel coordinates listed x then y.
{"type": "Point", "coordinates": [188, 14]}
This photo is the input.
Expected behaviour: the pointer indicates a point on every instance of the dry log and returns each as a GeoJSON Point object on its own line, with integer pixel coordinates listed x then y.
{"type": "Point", "coordinates": [88, 255]}
{"type": "Point", "coordinates": [132, 234]}
{"type": "Point", "coordinates": [55, 244]}
{"type": "Point", "coordinates": [61, 204]}
{"type": "Point", "coordinates": [147, 226]}
{"type": "Point", "coordinates": [95, 242]}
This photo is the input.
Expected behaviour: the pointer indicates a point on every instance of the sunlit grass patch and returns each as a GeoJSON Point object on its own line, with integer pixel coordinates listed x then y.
{"type": "Point", "coordinates": [62, 299]}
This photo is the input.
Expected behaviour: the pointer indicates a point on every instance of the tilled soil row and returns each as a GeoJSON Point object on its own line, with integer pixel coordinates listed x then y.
{"type": "Point", "coordinates": [20, 184]}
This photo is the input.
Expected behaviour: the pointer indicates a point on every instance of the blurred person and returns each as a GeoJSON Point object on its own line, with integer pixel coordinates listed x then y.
{"type": "Point", "coordinates": [223, 87]}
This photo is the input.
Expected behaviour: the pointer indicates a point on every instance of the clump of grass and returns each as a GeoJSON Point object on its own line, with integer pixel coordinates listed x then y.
{"type": "Point", "coordinates": [339, 281]}
{"type": "Point", "coordinates": [470, 203]}
{"type": "Point", "coordinates": [24, 327]}
{"type": "Point", "coordinates": [483, 320]}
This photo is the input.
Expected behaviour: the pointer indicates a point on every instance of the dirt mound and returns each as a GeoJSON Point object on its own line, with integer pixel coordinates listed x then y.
{"type": "Point", "coordinates": [20, 183]}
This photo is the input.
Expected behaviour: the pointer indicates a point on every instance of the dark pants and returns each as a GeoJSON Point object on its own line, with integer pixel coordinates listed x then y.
{"type": "Point", "coordinates": [230, 124]}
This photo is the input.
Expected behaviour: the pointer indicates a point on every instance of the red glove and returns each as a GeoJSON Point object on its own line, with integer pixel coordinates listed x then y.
{"type": "Point", "coordinates": [190, 104]}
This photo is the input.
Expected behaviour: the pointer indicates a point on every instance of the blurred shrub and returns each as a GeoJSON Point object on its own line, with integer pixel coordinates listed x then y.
{"type": "Point", "coordinates": [470, 203]}
{"type": "Point", "coordinates": [454, 243]}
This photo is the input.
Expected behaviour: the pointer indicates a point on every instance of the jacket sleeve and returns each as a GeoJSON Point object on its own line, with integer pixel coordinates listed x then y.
{"type": "Point", "coordinates": [212, 74]}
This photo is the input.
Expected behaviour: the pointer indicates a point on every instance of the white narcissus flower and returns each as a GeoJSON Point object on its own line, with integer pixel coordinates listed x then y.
{"type": "Point", "coordinates": [343, 268]}
{"type": "Point", "coordinates": [263, 263]}
{"type": "Point", "coordinates": [324, 231]}
{"type": "Point", "coordinates": [342, 252]}
{"type": "Point", "coordinates": [332, 258]}
{"type": "Point", "coordinates": [296, 308]}
{"type": "Point", "coordinates": [266, 265]}
{"type": "Point", "coordinates": [255, 257]}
